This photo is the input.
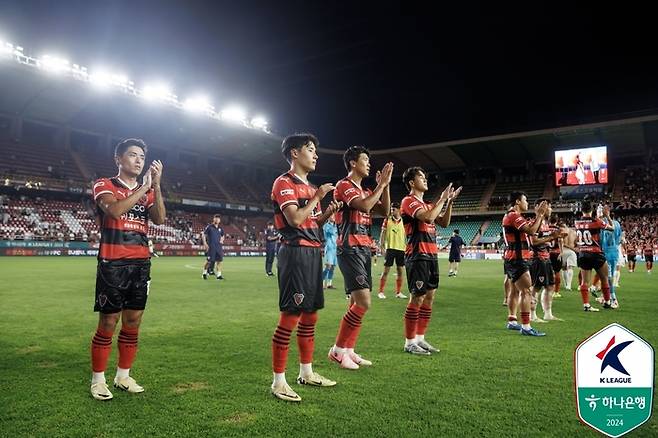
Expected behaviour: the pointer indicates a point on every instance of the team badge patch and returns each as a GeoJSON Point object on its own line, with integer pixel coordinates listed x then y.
{"type": "Point", "coordinates": [361, 279]}
{"type": "Point", "coordinates": [102, 300]}
{"type": "Point", "coordinates": [419, 284]}
{"type": "Point", "coordinates": [298, 298]}
{"type": "Point", "coordinates": [541, 278]}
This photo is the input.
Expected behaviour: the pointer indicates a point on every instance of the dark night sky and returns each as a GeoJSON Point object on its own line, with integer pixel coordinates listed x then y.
{"type": "Point", "coordinates": [378, 74]}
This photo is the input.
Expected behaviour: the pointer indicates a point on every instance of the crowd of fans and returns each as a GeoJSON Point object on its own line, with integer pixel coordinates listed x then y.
{"type": "Point", "coordinates": [640, 189]}
{"type": "Point", "coordinates": [640, 230]}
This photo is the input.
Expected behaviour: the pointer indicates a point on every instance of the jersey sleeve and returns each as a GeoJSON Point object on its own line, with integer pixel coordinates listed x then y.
{"type": "Point", "coordinates": [410, 206]}
{"type": "Point", "coordinates": [346, 192]}
{"type": "Point", "coordinates": [517, 220]}
{"type": "Point", "coordinates": [600, 223]}
{"type": "Point", "coordinates": [283, 193]}
{"type": "Point", "coordinates": [101, 187]}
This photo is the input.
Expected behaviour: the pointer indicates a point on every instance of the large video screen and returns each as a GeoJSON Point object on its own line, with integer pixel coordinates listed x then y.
{"type": "Point", "coordinates": [582, 166]}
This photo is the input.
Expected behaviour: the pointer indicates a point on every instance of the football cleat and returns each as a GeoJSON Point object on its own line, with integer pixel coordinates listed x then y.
{"type": "Point", "coordinates": [589, 308]}
{"type": "Point", "coordinates": [615, 304]}
{"type": "Point", "coordinates": [220, 277]}
{"type": "Point", "coordinates": [381, 295]}
{"type": "Point", "coordinates": [344, 360]}
{"type": "Point", "coordinates": [513, 325]}
{"type": "Point", "coordinates": [357, 359]}
{"type": "Point", "coordinates": [557, 295]}
{"type": "Point", "coordinates": [531, 332]}
{"type": "Point", "coordinates": [315, 380]}
{"type": "Point", "coordinates": [607, 305]}
{"type": "Point", "coordinates": [400, 295]}
{"type": "Point", "coordinates": [331, 286]}
{"type": "Point", "coordinates": [204, 276]}
{"type": "Point", "coordinates": [427, 346]}
{"type": "Point", "coordinates": [127, 384]}
{"type": "Point", "coordinates": [100, 391]}
{"type": "Point", "coordinates": [417, 350]}
{"type": "Point", "coordinates": [283, 391]}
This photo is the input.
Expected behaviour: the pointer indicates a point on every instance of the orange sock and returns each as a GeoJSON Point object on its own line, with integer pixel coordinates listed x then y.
{"type": "Point", "coordinates": [411, 320]}
{"type": "Point", "coordinates": [424, 316]}
{"type": "Point", "coordinates": [398, 285]}
{"type": "Point", "coordinates": [350, 326]}
{"type": "Point", "coordinates": [127, 346]}
{"type": "Point", "coordinates": [101, 347]}
{"type": "Point", "coordinates": [382, 284]}
{"type": "Point", "coordinates": [281, 341]}
{"type": "Point", "coordinates": [306, 336]}
{"type": "Point", "coordinates": [584, 293]}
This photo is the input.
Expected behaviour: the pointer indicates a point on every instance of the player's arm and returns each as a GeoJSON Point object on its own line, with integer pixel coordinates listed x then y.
{"type": "Point", "coordinates": [429, 216]}
{"type": "Point", "coordinates": [444, 219]}
{"type": "Point", "coordinates": [157, 212]}
{"type": "Point", "coordinates": [114, 207]}
{"type": "Point", "coordinates": [333, 207]}
{"type": "Point", "coordinates": [381, 192]}
{"type": "Point", "coordinates": [531, 228]}
{"type": "Point", "coordinates": [296, 215]}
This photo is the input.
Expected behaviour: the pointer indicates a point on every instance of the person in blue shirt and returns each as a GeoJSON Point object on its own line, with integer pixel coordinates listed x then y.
{"type": "Point", "coordinates": [456, 244]}
{"type": "Point", "coordinates": [610, 241]}
{"type": "Point", "coordinates": [272, 236]}
{"type": "Point", "coordinates": [213, 241]}
{"type": "Point", "coordinates": [330, 235]}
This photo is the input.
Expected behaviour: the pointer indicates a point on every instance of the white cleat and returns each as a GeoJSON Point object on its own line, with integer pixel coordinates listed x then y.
{"type": "Point", "coordinates": [127, 384]}
{"type": "Point", "coordinates": [100, 391]}
{"type": "Point", "coordinates": [400, 295]}
{"type": "Point", "coordinates": [357, 359]}
{"type": "Point", "coordinates": [381, 295]}
{"type": "Point", "coordinates": [417, 350]}
{"type": "Point", "coordinates": [315, 379]}
{"type": "Point", "coordinates": [588, 308]}
{"type": "Point", "coordinates": [344, 360]}
{"type": "Point", "coordinates": [283, 391]}
{"type": "Point", "coordinates": [427, 346]}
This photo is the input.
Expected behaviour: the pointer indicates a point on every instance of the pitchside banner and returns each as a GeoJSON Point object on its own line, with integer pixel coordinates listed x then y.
{"type": "Point", "coordinates": [38, 248]}
{"type": "Point", "coordinates": [614, 371]}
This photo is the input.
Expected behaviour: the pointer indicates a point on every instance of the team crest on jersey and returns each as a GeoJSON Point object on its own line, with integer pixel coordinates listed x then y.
{"type": "Point", "coordinates": [299, 298]}
{"type": "Point", "coordinates": [541, 278]}
{"type": "Point", "coordinates": [361, 279]}
{"type": "Point", "coordinates": [419, 284]}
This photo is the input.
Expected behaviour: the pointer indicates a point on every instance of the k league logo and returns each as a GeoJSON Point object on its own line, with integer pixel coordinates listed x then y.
{"type": "Point", "coordinates": [614, 373]}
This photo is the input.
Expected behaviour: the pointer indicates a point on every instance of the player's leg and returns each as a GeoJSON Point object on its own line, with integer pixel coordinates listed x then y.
{"type": "Point", "coordinates": [398, 280]}
{"type": "Point", "coordinates": [537, 279]}
{"type": "Point", "coordinates": [219, 263]}
{"type": "Point", "coordinates": [280, 345]}
{"type": "Point", "coordinates": [101, 347]}
{"type": "Point", "coordinates": [456, 268]}
{"type": "Point", "coordinates": [523, 284]}
{"type": "Point", "coordinates": [586, 276]}
{"type": "Point", "coordinates": [451, 267]}
{"type": "Point", "coordinates": [512, 304]}
{"type": "Point", "coordinates": [422, 277]}
{"type": "Point", "coordinates": [424, 317]}
{"type": "Point", "coordinates": [206, 265]}
{"type": "Point", "coordinates": [127, 343]}
{"type": "Point", "coordinates": [325, 275]}
{"type": "Point", "coordinates": [382, 278]}
{"type": "Point", "coordinates": [603, 271]}
{"type": "Point", "coordinates": [330, 275]}
{"type": "Point", "coordinates": [649, 262]}
{"type": "Point", "coordinates": [548, 293]}
{"type": "Point", "coordinates": [269, 259]}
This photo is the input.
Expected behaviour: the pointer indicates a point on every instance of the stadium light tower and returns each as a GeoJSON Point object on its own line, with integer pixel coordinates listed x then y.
{"type": "Point", "coordinates": [159, 91]}
{"type": "Point", "coordinates": [199, 104]}
{"type": "Point", "coordinates": [53, 64]}
{"type": "Point", "coordinates": [259, 122]}
{"type": "Point", "coordinates": [234, 114]}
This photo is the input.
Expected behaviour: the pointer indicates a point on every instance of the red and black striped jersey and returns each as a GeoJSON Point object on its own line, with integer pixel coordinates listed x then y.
{"type": "Point", "coordinates": [541, 251]}
{"type": "Point", "coordinates": [630, 251]}
{"type": "Point", "coordinates": [421, 236]}
{"type": "Point", "coordinates": [517, 242]}
{"type": "Point", "coordinates": [289, 189]}
{"type": "Point", "coordinates": [648, 252]}
{"type": "Point", "coordinates": [554, 245]}
{"type": "Point", "coordinates": [353, 225]}
{"type": "Point", "coordinates": [588, 231]}
{"type": "Point", "coordinates": [125, 237]}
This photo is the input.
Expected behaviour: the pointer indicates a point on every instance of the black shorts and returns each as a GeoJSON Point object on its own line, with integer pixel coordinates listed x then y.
{"type": "Point", "coordinates": [300, 279]}
{"type": "Point", "coordinates": [454, 257]}
{"type": "Point", "coordinates": [394, 255]}
{"type": "Point", "coordinates": [648, 259]}
{"type": "Point", "coordinates": [556, 263]}
{"type": "Point", "coordinates": [514, 269]}
{"type": "Point", "coordinates": [541, 273]}
{"type": "Point", "coordinates": [631, 258]}
{"type": "Point", "coordinates": [215, 255]}
{"type": "Point", "coordinates": [122, 284]}
{"type": "Point", "coordinates": [590, 260]}
{"type": "Point", "coordinates": [422, 275]}
{"type": "Point", "coordinates": [355, 265]}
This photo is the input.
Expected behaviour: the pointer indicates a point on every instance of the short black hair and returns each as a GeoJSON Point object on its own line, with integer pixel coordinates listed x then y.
{"type": "Point", "coordinates": [395, 205]}
{"type": "Point", "coordinates": [540, 200]}
{"type": "Point", "coordinates": [123, 146]}
{"type": "Point", "coordinates": [352, 154]}
{"type": "Point", "coordinates": [270, 223]}
{"type": "Point", "coordinates": [515, 196]}
{"type": "Point", "coordinates": [410, 174]}
{"type": "Point", "coordinates": [297, 141]}
{"type": "Point", "coordinates": [456, 231]}
{"type": "Point", "coordinates": [217, 215]}
{"type": "Point", "coordinates": [553, 219]}
{"type": "Point", "coordinates": [586, 206]}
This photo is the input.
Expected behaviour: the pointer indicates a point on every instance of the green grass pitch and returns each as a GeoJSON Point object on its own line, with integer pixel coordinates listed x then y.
{"type": "Point", "coordinates": [204, 358]}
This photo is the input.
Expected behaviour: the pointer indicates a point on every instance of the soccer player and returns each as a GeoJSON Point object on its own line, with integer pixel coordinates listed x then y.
{"type": "Point", "coordinates": [421, 255]}
{"type": "Point", "coordinates": [590, 256]}
{"type": "Point", "coordinates": [541, 270]}
{"type": "Point", "coordinates": [569, 259]}
{"type": "Point", "coordinates": [393, 243]}
{"type": "Point", "coordinates": [517, 259]}
{"type": "Point", "coordinates": [213, 241]}
{"type": "Point", "coordinates": [298, 218]}
{"type": "Point", "coordinates": [555, 247]}
{"type": "Point", "coordinates": [330, 235]}
{"type": "Point", "coordinates": [354, 247]}
{"type": "Point", "coordinates": [631, 254]}
{"type": "Point", "coordinates": [456, 243]}
{"type": "Point", "coordinates": [271, 238]}
{"type": "Point", "coordinates": [648, 256]}
{"type": "Point", "coordinates": [123, 273]}
{"type": "Point", "coordinates": [610, 241]}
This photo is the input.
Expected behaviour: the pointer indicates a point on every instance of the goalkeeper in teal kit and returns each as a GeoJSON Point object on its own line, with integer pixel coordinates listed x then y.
{"type": "Point", "coordinates": [610, 241]}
